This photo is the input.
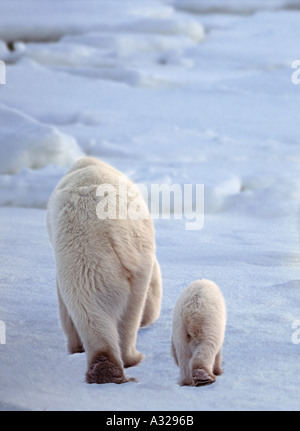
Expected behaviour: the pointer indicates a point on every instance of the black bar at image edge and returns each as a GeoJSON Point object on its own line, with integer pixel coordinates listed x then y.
{"type": "Point", "coordinates": [135, 420]}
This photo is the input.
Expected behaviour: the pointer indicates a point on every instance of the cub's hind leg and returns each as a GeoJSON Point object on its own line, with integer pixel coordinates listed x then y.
{"type": "Point", "coordinates": [218, 364]}
{"type": "Point", "coordinates": [202, 363]}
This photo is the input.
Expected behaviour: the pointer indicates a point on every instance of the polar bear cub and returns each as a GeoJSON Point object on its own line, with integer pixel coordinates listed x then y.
{"type": "Point", "coordinates": [198, 329]}
{"type": "Point", "coordinates": [108, 278]}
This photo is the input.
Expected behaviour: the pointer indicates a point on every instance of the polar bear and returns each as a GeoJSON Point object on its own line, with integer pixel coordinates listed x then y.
{"type": "Point", "coordinates": [198, 328]}
{"type": "Point", "coordinates": [108, 277]}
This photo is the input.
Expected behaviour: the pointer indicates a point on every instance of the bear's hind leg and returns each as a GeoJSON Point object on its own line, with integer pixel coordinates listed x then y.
{"type": "Point", "coordinates": [129, 323]}
{"type": "Point", "coordinates": [128, 329]}
{"type": "Point", "coordinates": [74, 341]}
{"type": "Point", "coordinates": [97, 328]}
{"type": "Point", "coordinates": [153, 302]}
{"type": "Point", "coordinates": [102, 346]}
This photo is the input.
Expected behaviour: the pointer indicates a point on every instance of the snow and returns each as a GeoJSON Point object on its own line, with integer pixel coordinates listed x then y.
{"type": "Point", "coordinates": [234, 6]}
{"type": "Point", "coordinates": [27, 142]}
{"type": "Point", "coordinates": [169, 92]}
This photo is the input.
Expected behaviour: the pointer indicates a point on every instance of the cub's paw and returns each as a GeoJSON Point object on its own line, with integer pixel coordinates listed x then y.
{"type": "Point", "coordinates": [201, 377]}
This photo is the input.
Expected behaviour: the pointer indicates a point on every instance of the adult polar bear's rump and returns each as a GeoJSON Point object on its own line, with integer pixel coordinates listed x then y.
{"type": "Point", "coordinates": [108, 278]}
{"type": "Point", "coordinates": [199, 320]}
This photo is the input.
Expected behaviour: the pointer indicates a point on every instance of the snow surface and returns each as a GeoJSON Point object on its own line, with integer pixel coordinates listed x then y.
{"type": "Point", "coordinates": [173, 92]}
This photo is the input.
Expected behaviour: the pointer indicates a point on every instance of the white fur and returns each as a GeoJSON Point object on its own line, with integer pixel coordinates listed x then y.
{"type": "Point", "coordinates": [199, 320]}
{"type": "Point", "coordinates": [108, 278]}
